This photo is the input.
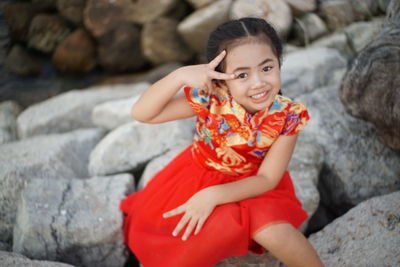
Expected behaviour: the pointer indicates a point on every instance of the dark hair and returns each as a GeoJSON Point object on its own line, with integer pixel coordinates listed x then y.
{"type": "Point", "coordinates": [233, 31]}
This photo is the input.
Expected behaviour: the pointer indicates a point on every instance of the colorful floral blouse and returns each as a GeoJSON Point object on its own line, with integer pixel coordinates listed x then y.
{"type": "Point", "coordinates": [231, 140]}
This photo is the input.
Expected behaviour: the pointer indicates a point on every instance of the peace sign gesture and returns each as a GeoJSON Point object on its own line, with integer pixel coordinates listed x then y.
{"type": "Point", "coordinates": [201, 76]}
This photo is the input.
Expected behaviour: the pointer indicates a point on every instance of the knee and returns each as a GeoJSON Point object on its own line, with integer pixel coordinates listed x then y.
{"type": "Point", "coordinates": [275, 235]}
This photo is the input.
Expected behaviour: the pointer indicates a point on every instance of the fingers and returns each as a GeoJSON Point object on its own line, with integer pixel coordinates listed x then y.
{"type": "Point", "coordinates": [222, 76]}
{"type": "Point", "coordinates": [218, 59]}
{"type": "Point", "coordinates": [185, 219]}
{"type": "Point", "coordinates": [174, 212]}
{"type": "Point", "coordinates": [200, 224]}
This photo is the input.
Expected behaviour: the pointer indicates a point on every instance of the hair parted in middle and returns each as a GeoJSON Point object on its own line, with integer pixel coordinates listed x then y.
{"type": "Point", "coordinates": [236, 32]}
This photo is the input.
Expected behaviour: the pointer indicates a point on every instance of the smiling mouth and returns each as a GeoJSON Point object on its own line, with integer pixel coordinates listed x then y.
{"type": "Point", "coordinates": [260, 95]}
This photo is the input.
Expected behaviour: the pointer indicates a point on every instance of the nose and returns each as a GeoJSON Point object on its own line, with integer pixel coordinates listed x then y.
{"type": "Point", "coordinates": [257, 82]}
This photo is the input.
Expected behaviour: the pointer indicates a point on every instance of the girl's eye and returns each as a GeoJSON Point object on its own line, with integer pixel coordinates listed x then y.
{"type": "Point", "coordinates": [242, 75]}
{"type": "Point", "coordinates": [267, 68]}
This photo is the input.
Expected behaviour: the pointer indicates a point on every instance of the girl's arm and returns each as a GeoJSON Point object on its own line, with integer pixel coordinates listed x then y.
{"type": "Point", "coordinates": [162, 102]}
{"type": "Point", "coordinates": [200, 205]}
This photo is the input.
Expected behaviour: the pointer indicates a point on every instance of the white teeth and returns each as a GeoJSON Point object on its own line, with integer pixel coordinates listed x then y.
{"type": "Point", "coordinates": [259, 95]}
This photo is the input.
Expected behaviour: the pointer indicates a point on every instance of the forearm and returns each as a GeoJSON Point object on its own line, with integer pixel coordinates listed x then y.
{"type": "Point", "coordinates": [242, 189]}
{"type": "Point", "coordinates": [154, 99]}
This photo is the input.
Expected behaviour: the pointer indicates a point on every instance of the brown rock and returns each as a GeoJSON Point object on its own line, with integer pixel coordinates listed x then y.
{"type": "Point", "coordinates": [144, 11]}
{"type": "Point", "coordinates": [77, 53]}
{"type": "Point", "coordinates": [18, 16]}
{"type": "Point", "coordinates": [199, 3]}
{"type": "Point", "coordinates": [370, 89]}
{"type": "Point", "coordinates": [161, 42]}
{"type": "Point", "coordinates": [300, 7]}
{"type": "Point", "coordinates": [119, 49]}
{"type": "Point", "coordinates": [308, 27]}
{"type": "Point", "coordinates": [72, 10]}
{"type": "Point", "coordinates": [197, 26]}
{"type": "Point", "coordinates": [276, 12]}
{"type": "Point", "coordinates": [21, 62]}
{"type": "Point", "coordinates": [337, 14]}
{"type": "Point", "coordinates": [46, 32]}
{"type": "Point", "coordinates": [45, 4]}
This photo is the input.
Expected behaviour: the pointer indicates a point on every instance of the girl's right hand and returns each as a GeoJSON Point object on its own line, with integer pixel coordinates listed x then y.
{"type": "Point", "coordinates": [201, 76]}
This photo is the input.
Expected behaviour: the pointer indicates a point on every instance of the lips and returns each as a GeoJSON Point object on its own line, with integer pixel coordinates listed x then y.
{"type": "Point", "coordinates": [257, 98]}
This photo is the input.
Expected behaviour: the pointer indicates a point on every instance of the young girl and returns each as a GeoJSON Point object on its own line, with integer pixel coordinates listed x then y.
{"type": "Point", "coordinates": [228, 192]}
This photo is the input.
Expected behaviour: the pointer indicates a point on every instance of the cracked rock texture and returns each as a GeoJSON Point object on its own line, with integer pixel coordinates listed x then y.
{"type": "Point", "coordinates": [52, 156]}
{"type": "Point", "coordinates": [76, 221]}
{"type": "Point", "coordinates": [367, 235]}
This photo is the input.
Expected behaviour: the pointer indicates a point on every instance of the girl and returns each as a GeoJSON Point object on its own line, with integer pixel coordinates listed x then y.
{"type": "Point", "coordinates": [228, 192]}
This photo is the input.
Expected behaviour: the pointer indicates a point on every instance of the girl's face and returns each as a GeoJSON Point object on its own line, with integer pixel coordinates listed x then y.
{"type": "Point", "coordinates": [257, 74]}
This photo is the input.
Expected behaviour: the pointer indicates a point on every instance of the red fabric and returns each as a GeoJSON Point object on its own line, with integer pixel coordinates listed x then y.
{"type": "Point", "coordinates": [227, 232]}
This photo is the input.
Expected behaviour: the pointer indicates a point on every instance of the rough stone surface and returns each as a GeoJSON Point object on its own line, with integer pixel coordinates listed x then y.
{"type": "Point", "coordinates": [112, 114]}
{"type": "Point", "coordinates": [129, 146]}
{"type": "Point", "coordinates": [300, 7]}
{"type": "Point", "coordinates": [51, 156]}
{"type": "Point", "coordinates": [199, 3]}
{"type": "Point", "coordinates": [144, 11]}
{"type": "Point", "coordinates": [46, 32]}
{"type": "Point", "coordinates": [12, 259]}
{"type": "Point", "coordinates": [72, 10]}
{"type": "Point", "coordinates": [9, 111]}
{"type": "Point", "coordinates": [76, 221]}
{"type": "Point", "coordinates": [196, 27]}
{"type": "Point", "coordinates": [338, 41]}
{"type": "Point", "coordinates": [71, 110]}
{"type": "Point", "coordinates": [324, 67]}
{"type": "Point", "coordinates": [161, 42]}
{"type": "Point", "coordinates": [119, 49]}
{"type": "Point", "coordinates": [357, 166]}
{"type": "Point", "coordinates": [370, 88]}
{"type": "Point", "coordinates": [18, 17]}
{"type": "Point", "coordinates": [21, 62]}
{"type": "Point", "coordinates": [77, 53]}
{"type": "Point", "coordinates": [367, 235]}
{"type": "Point", "coordinates": [276, 12]}
{"type": "Point", "coordinates": [251, 260]}
{"type": "Point", "coordinates": [309, 27]}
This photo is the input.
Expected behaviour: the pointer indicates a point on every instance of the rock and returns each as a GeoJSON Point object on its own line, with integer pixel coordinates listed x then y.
{"type": "Point", "coordinates": [77, 53]}
{"type": "Point", "coordinates": [145, 11]}
{"type": "Point", "coordinates": [196, 27]}
{"type": "Point", "coordinates": [338, 41]}
{"type": "Point", "coordinates": [46, 4]}
{"type": "Point", "coordinates": [357, 166]}
{"type": "Point", "coordinates": [370, 88]}
{"type": "Point", "coordinates": [101, 16]}
{"type": "Point", "coordinates": [51, 156]}
{"type": "Point", "coordinates": [393, 14]}
{"type": "Point", "coordinates": [71, 110]}
{"type": "Point", "coordinates": [300, 7]}
{"type": "Point", "coordinates": [12, 259]}
{"type": "Point", "coordinates": [304, 168]}
{"type": "Point", "coordinates": [111, 114]}
{"type": "Point", "coordinates": [199, 3]}
{"type": "Point", "coordinates": [365, 9]}
{"type": "Point", "coordinates": [119, 49]}
{"type": "Point", "coordinates": [18, 16]}
{"type": "Point", "coordinates": [72, 10]}
{"type": "Point", "coordinates": [9, 111]}
{"type": "Point", "coordinates": [21, 62]}
{"type": "Point", "coordinates": [251, 260]}
{"type": "Point", "coordinates": [276, 12]}
{"type": "Point", "coordinates": [161, 42]}
{"type": "Point", "coordinates": [337, 14]}
{"type": "Point", "coordinates": [359, 34]}
{"type": "Point", "coordinates": [367, 235]}
{"type": "Point", "coordinates": [158, 163]}
{"type": "Point", "coordinates": [46, 32]}
{"type": "Point", "coordinates": [383, 4]}
{"type": "Point", "coordinates": [76, 221]}
{"type": "Point", "coordinates": [308, 27]}
{"type": "Point", "coordinates": [324, 66]}
{"type": "Point", "coordinates": [129, 146]}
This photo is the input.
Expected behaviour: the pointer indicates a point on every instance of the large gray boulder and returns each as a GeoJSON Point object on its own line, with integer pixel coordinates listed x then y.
{"type": "Point", "coordinates": [324, 66]}
{"type": "Point", "coordinates": [52, 156]}
{"type": "Point", "coordinates": [357, 165]}
{"type": "Point", "coordinates": [71, 110]}
{"type": "Point", "coordinates": [367, 235]}
{"type": "Point", "coordinates": [251, 260]}
{"type": "Point", "coordinates": [76, 221]}
{"type": "Point", "coordinates": [9, 111]}
{"type": "Point", "coordinates": [12, 259]}
{"type": "Point", "coordinates": [134, 143]}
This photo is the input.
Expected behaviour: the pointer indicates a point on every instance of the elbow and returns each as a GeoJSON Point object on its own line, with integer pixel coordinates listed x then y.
{"type": "Point", "coordinates": [139, 116]}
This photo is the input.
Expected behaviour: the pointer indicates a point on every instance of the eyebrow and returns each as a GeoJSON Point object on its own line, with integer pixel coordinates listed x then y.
{"type": "Point", "coordinates": [262, 63]}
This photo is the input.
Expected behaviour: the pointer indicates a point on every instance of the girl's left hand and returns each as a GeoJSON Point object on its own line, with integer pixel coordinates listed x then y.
{"type": "Point", "coordinates": [196, 211]}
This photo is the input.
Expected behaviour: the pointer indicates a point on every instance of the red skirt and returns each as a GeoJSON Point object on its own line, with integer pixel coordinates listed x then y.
{"type": "Point", "coordinates": [227, 232]}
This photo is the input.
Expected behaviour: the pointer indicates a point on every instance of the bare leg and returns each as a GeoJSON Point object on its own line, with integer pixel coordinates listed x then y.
{"type": "Point", "coordinates": [289, 245]}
